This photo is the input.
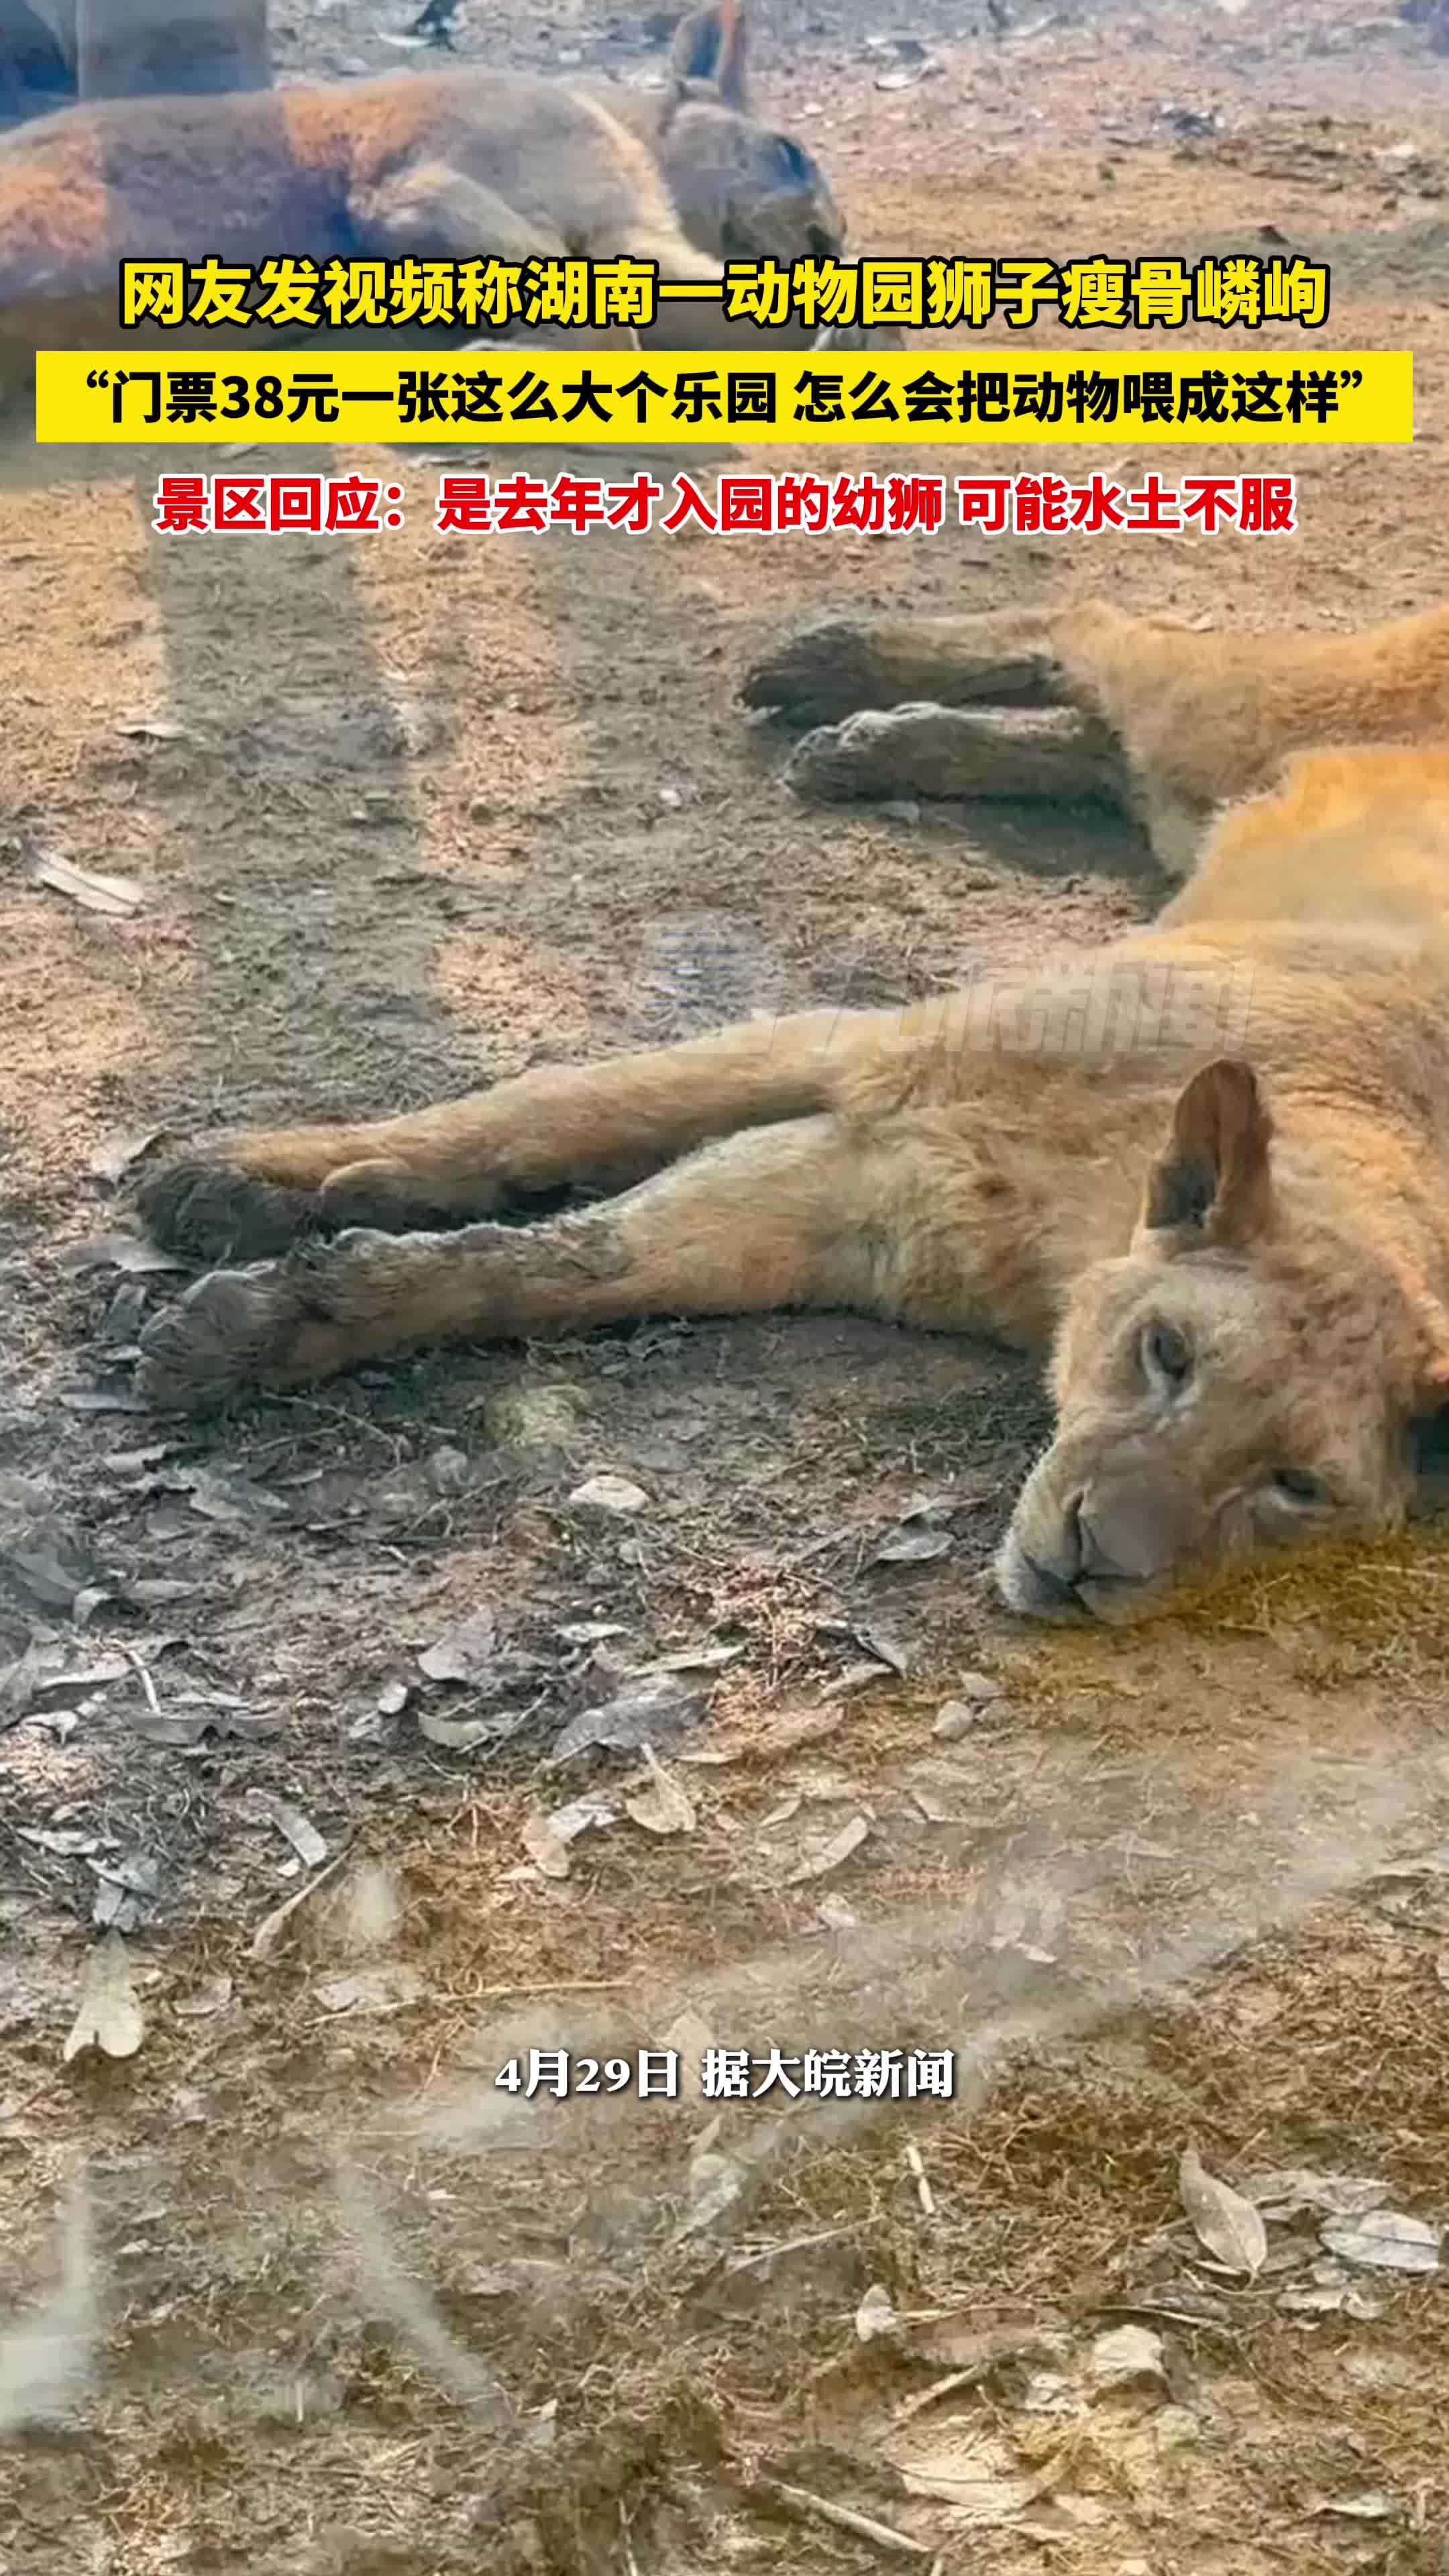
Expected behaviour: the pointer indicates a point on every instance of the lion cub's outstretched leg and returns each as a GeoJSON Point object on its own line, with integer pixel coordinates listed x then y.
{"type": "Point", "coordinates": [959, 751]}
{"type": "Point", "coordinates": [838, 665]}
{"type": "Point", "coordinates": [1074, 702]}
{"type": "Point", "coordinates": [594, 1126]}
{"type": "Point", "coordinates": [1172, 721]}
{"type": "Point", "coordinates": [792, 1215]}
{"type": "Point", "coordinates": [1003, 704]}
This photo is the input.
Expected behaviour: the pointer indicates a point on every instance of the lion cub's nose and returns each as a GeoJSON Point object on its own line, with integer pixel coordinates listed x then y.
{"type": "Point", "coordinates": [1131, 1527]}
{"type": "Point", "coordinates": [1094, 1561]}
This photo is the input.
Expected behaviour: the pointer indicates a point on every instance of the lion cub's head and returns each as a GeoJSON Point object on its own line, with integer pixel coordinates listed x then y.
{"type": "Point", "coordinates": [741, 190]}
{"type": "Point", "coordinates": [1244, 1377]}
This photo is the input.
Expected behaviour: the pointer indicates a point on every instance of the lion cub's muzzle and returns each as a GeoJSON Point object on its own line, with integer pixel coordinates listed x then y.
{"type": "Point", "coordinates": [1108, 1544]}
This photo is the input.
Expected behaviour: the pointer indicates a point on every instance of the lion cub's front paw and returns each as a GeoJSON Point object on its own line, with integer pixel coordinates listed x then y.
{"type": "Point", "coordinates": [214, 1211]}
{"type": "Point", "coordinates": [231, 1333]}
{"type": "Point", "coordinates": [277, 1324]}
{"type": "Point", "coordinates": [816, 675]}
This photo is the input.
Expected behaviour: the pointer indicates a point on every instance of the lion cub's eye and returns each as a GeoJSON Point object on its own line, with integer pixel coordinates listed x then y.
{"type": "Point", "coordinates": [1166, 1359]}
{"type": "Point", "coordinates": [1296, 1485]}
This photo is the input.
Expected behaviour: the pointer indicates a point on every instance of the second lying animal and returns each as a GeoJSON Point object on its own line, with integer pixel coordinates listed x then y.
{"type": "Point", "coordinates": [434, 165]}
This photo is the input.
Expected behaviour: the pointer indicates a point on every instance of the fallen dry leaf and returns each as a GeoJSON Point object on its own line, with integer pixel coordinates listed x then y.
{"type": "Point", "coordinates": [211, 1998]}
{"type": "Point", "coordinates": [608, 1493]}
{"type": "Point", "coordinates": [294, 1827]}
{"type": "Point", "coordinates": [887, 1649]}
{"type": "Point", "coordinates": [715, 2180]}
{"type": "Point", "coordinates": [108, 2014]}
{"type": "Point", "coordinates": [223, 1495]}
{"type": "Point", "coordinates": [1223, 2221]}
{"type": "Point", "coordinates": [876, 2314]}
{"type": "Point", "coordinates": [1126, 2356]}
{"type": "Point", "coordinates": [1329, 2291]}
{"type": "Point", "coordinates": [380, 1989]}
{"type": "Point", "coordinates": [1283, 2196]}
{"type": "Point", "coordinates": [129, 1252]}
{"type": "Point", "coordinates": [645, 1712]}
{"type": "Point", "coordinates": [980, 2496]}
{"type": "Point", "coordinates": [838, 1849]}
{"type": "Point", "coordinates": [466, 1653]}
{"type": "Point", "coordinates": [459, 1734]}
{"type": "Point", "coordinates": [661, 1806]}
{"type": "Point", "coordinates": [64, 1842]}
{"type": "Point", "coordinates": [113, 1158]}
{"type": "Point", "coordinates": [914, 1545]}
{"type": "Point", "coordinates": [546, 1838]}
{"type": "Point", "coordinates": [119, 896]}
{"type": "Point", "coordinates": [1385, 2240]}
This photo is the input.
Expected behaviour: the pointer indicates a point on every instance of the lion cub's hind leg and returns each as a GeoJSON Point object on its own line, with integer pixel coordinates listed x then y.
{"type": "Point", "coordinates": [592, 1126]}
{"type": "Point", "coordinates": [786, 1216]}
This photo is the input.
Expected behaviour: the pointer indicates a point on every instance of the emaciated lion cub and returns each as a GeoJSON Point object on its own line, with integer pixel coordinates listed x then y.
{"type": "Point", "coordinates": [1206, 1169]}
{"type": "Point", "coordinates": [459, 164]}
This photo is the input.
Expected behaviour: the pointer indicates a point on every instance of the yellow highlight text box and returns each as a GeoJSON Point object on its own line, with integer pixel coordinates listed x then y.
{"type": "Point", "coordinates": [634, 397]}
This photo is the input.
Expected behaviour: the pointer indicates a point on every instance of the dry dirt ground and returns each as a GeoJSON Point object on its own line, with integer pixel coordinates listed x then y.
{"type": "Point", "coordinates": [296, 2286]}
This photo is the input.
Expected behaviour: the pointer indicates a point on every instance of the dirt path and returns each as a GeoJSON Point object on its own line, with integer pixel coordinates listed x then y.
{"type": "Point", "coordinates": [411, 815]}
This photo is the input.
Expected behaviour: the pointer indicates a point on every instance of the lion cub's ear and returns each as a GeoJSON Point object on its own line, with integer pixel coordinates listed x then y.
{"type": "Point", "coordinates": [709, 45]}
{"type": "Point", "coordinates": [1212, 1185]}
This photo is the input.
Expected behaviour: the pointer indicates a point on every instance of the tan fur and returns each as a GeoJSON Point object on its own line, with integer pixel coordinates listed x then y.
{"type": "Point", "coordinates": [1207, 1169]}
{"type": "Point", "coordinates": [460, 164]}
{"type": "Point", "coordinates": [1186, 720]}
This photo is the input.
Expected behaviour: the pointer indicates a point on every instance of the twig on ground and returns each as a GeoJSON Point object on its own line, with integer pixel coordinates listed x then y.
{"type": "Point", "coordinates": [842, 2517]}
{"type": "Point", "coordinates": [924, 2193]}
